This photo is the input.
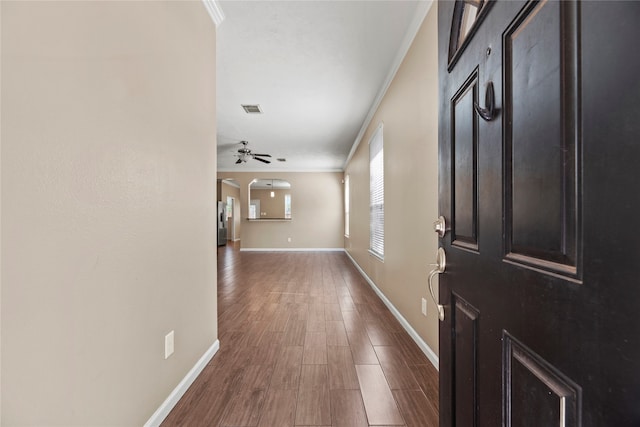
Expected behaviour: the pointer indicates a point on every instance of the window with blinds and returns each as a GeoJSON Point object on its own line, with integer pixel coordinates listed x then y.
{"type": "Point", "coordinates": [287, 206]}
{"type": "Point", "coordinates": [346, 205]}
{"type": "Point", "coordinates": [376, 194]}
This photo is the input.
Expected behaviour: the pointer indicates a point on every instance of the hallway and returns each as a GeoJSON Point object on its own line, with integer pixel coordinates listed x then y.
{"type": "Point", "coordinates": [305, 341]}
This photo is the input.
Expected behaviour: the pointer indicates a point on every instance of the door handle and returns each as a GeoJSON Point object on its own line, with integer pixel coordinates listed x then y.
{"type": "Point", "coordinates": [490, 112]}
{"type": "Point", "coordinates": [439, 267]}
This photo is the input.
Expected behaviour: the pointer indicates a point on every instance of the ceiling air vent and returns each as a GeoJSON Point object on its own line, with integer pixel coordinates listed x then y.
{"type": "Point", "coordinates": [252, 108]}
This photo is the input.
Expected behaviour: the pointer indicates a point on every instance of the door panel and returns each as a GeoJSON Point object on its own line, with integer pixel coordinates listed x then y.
{"type": "Point", "coordinates": [540, 121]}
{"type": "Point", "coordinates": [534, 390]}
{"type": "Point", "coordinates": [540, 290]}
{"type": "Point", "coordinates": [465, 367]}
{"type": "Point", "coordinates": [464, 147]}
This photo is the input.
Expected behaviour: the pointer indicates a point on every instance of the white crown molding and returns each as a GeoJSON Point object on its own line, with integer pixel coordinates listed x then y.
{"type": "Point", "coordinates": [171, 401]}
{"type": "Point", "coordinates": [421, 12]}
{"type": "Point", "coordinates": [431, 355]}
{"type": "Point", "coordinates": [215, 11]}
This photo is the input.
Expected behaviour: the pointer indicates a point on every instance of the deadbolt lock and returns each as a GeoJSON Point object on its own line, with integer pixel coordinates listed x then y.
{"type": "Point", "coordinates": [440, 226]}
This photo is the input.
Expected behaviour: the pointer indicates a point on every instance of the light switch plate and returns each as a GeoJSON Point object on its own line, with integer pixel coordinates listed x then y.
{"type": "Point", "coordinates": [168, 345]}
{"type": "Point", "coordinates": [424, 307]}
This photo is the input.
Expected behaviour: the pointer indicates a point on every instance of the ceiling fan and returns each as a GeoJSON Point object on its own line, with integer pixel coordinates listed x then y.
{"type": "Point", "coordinates": [245, 153]}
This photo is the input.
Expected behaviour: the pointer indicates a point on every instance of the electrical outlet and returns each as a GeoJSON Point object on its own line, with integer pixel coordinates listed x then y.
{"type": "Point", "coordinates": [289, 239]}
{"type": "Point", "coordinates": [168, 345]}
{"type": "Point", "coordinates": [424, 307]}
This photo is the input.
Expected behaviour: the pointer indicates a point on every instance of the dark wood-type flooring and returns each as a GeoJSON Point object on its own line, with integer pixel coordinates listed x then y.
{"type": "Point", "coordinates": [304, 341]}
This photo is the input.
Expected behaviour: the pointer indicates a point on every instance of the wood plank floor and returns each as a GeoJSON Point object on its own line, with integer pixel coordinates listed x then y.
{"type": "Point", "coordinates": [304, 341]}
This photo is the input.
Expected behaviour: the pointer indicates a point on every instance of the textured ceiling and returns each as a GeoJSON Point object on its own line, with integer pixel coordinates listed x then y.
{"type": "Point", "coordinates": [316, 68]}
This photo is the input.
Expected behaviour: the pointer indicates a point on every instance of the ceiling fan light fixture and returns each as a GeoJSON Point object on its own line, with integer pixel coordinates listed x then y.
{"type": "Point", "coordinates": [251, 108]}
{"type": "Point", "coordinates": [244, 153]}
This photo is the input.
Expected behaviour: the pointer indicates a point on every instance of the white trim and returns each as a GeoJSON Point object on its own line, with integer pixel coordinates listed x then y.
{"type": "Point", "coordinates": [171, 401]}
{"type": "Point", "coordinates": [291, 249]}
{"type": "Point", "coordinates": [376, 255]}
{"type": "Point", "coordinates": [421, 12]}
{"type": "Point", "coordinates": [379, 129]}
{"type": "Point", "coordinates": [431, 355]}
{"type": "Point", "coordinates": [215, 11]}
{"type": "Point", "coordinates": [236, 240]}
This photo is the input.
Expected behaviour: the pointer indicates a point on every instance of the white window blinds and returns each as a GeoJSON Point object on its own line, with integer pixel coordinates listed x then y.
{"type": "Point", "coordinates": [376, 194]}
{"type": "Point", "coordinates": [287, 205]}
{"type": "Point", "coordinates": [346, 206]}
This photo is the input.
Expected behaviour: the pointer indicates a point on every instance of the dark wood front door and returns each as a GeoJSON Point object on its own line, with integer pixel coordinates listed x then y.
{"type": "Point", "coordinates": [541, 194]}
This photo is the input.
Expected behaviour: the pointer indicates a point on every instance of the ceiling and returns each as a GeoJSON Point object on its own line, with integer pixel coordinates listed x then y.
{"type": "Point", "coordinates": [318, 70]}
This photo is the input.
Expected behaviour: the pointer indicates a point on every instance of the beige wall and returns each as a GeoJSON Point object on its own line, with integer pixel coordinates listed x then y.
{"type": "Point", "coordinates": [108, 207]}
{"type": "Point", "coordinates": [316, 211]}
{"type": "Point", "coordinates": [409, 111]}
{"type": "Point", "coordinates": [231, 191]}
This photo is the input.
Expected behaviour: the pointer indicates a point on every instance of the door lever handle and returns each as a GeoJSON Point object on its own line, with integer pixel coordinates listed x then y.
{"type": "Point", "coordinates": [490, 112]}
{"type": "Point", "coordinates": [439, 267]}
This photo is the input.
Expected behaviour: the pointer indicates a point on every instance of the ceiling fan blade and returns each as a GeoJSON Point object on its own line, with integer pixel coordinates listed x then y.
{"type": "Point", "coordinates": [262, 160]}
{"type": "Point", "coordinates": [263, 155]}
{"type": "Point", "coordinates": [238, 161]}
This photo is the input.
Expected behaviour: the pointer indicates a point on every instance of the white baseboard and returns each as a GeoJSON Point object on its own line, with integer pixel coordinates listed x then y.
{"type": "Point", "coordinates": [171, 401]}
{"type": "Point", "coordinates": [291, 249]}
{"type": "Point", "coordinates": [431, 355]}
